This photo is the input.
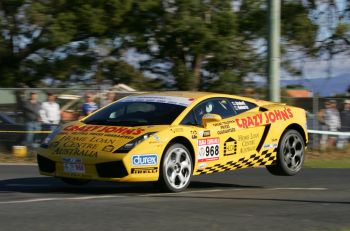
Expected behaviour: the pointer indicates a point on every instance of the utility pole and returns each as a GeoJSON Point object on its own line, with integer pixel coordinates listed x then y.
{"type": "Point", "coordinates": [273, 69]}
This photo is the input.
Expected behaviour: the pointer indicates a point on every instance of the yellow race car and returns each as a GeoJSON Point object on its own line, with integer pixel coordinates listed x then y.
{"type": "Point", "coordinates": [167, 137]}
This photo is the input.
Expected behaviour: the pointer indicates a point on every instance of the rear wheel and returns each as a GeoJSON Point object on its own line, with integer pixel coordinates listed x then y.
{"type": "Point", "coordinates": [176, 169]}
{"type": "Point", "coordinates": [76, 182]}
{"type": "Point", "coordinates": [290, 154]}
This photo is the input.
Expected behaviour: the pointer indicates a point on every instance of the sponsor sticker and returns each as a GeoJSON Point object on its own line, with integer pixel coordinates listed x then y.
{"type": "Point", "coordinates": [208, 149]}
{"type": "Point", "coordinates": [144, 160]}
{"type": "Point", "coordinates": [144, 170]}
{"type": "Point", "coordinates": [240, 105]}
{"type": "Point", "coordinates": [265, 118]}
{"type": "Point", "coordinates": [194, 134]}
{"type": "Point", "coordinates": [270, 145]}
{"type": "Point", "coordinates": [205, 133]}
{"type": "Point", "coordinates": [230, 147]}
{"type": "Point", "coordinates": [202, 165]}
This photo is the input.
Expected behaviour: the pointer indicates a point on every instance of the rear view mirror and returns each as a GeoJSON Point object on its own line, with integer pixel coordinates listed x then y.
{"type": "Point", "coordinates": [208, 118]}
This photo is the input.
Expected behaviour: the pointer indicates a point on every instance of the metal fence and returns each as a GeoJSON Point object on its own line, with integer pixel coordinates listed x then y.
{"type": "Point", "coordinates": [13, 130]}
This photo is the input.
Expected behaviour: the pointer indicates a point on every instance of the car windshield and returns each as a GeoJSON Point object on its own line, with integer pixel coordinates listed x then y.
{"type": "Point", "coordinates": [136, 114]}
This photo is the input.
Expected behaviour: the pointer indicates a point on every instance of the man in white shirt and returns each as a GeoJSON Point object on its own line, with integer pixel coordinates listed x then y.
{"type": "Point", "coordinates": [50, 111]}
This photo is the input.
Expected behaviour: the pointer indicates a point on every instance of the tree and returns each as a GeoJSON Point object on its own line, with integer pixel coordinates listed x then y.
{"type": "Point", "coordinates": [207, 44]}
{"type": "Point", "coordinates": [61, 40]}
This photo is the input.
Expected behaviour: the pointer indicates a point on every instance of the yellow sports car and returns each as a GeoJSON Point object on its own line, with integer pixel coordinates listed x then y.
{"type": "Point", "coordinates": [167, 137]}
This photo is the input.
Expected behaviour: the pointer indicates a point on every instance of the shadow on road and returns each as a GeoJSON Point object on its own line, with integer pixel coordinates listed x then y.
{"type": "Point", "coordinates": [55, 185]}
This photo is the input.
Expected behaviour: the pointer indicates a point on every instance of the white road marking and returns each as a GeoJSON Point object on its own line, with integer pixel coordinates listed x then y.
{"type": "Point", "coordinates": [61, 199]}
{"type": "Point", "coordinates": [20, 164]}
{"type": "Point", "coordinates": [28, 185]}
{"type": "Point", "coordinates": [179, 193]}
{"type": "Point", "coordinates": [152, 194]}
{"type": "Point", "coordinates": [310, 189]}
{"type": "Point", "coordinates": [235, 189]}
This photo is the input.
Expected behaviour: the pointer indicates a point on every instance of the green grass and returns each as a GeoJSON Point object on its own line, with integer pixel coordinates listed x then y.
{"type": "Point", "coordinates": [328, 163]}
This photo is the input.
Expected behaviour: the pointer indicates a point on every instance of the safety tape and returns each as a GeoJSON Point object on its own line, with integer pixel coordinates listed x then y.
{"type": "Point", "coordinates": [36, 132]}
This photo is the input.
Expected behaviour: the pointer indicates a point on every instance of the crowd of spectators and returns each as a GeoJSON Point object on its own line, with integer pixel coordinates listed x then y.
{"type": "Point", "coordinates": [333, 120]}
{"type": "Point", "coordinates": [47, 114]}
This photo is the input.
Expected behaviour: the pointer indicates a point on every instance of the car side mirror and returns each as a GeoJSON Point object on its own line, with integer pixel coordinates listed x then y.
{"type": "Point", "coordinates": [208, 118]}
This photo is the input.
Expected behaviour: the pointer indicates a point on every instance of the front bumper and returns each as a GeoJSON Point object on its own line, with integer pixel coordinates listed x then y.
{"type": "Point", "coordinates": [106, 171]}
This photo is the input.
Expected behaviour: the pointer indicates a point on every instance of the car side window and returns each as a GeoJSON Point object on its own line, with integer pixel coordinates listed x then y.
{"type": "Point", "coordinates": [189, 119]}
{"type": "Point", "coordinates": [240, 106]}
{"type": "Point", "coordinates": [218, 106]}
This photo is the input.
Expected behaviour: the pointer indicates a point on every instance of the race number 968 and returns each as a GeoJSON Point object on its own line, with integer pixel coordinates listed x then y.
{"type": "Point", "coordinates": [212, 150]}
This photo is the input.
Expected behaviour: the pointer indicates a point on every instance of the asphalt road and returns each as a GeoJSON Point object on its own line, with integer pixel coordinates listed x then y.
{"type": "Point", "coordinates": [252, 199]}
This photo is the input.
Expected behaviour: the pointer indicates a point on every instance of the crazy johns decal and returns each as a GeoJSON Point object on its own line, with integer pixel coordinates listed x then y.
{"type": "Point", "coordinates": [105, 129]}
{"type": "Point", "coordinates": [264, 118]}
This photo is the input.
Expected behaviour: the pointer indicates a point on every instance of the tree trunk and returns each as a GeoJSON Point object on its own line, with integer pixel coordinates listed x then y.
{"type": "Point", "coordinates": [197, 66]}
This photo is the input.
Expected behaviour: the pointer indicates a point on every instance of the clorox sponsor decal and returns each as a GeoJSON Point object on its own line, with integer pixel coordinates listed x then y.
{"type": "Point", "coordinates": [144, 160]}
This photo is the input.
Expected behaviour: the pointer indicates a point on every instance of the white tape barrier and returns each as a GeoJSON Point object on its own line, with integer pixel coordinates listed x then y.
{"type": "Point", "coordinates": [329, 133]}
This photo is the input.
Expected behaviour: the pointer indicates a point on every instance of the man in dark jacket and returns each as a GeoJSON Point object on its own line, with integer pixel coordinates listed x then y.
{"type": "Point", "coordinates": [31, 112]}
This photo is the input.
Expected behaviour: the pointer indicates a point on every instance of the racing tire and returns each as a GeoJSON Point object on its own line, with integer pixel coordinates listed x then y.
{"type": "Point", "coordinates": [290, 155]}
{"type": "Point", "coordinates": [175, 169]}
{"type": "Point", "coordinates": [76, 182]}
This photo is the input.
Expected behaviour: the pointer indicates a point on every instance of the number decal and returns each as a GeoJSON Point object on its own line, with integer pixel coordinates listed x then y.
{"type": "Point", "coordinates": [208, 149]}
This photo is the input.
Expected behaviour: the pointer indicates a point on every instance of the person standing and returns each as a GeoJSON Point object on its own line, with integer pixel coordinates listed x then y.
{"type": "Point", "coordinates": [110, 98]}
{"type": "Point", "coordinates": [89, 105]}
{"type": "Point", "coordinates": [330, 119]}
{"type": "Point", "coordinates": [345, 124]}
{"type": "Point", "coordinates": [50, 111]}
{"type": "Point", "coordinates": [32, 118]}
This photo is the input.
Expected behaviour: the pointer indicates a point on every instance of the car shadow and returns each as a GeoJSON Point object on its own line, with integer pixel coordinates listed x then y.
{"type": "Point", "coordinates": [56, 186]}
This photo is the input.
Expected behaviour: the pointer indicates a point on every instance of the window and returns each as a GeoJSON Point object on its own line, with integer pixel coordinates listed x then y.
{"type": "Point", "coordinates": [240, 106]}
{"type": "Point", "coordinates": [218, 106]}
{"type": "Point", "coordinates": [189, 119]}
{"type": "Point", "coordinates": [136, 114]}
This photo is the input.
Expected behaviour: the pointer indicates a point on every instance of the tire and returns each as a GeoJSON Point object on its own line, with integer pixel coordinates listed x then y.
{"type": "Point", "coordinates": [176, 169]}
{"type": "Point", "coordinates": [290, 155]}
{"type": "Point", "coordinates": [76, 182]}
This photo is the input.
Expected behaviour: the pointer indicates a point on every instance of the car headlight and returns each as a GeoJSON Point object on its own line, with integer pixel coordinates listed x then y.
{"type": "Point", "coordinates": [45, 143]}
{"type": "Point", "coordinates": [127, 147]}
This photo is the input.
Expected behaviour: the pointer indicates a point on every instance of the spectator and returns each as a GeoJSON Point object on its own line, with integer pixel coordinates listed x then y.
{"type": "Point", "coordinates": [31, 112]}
{"type": "Point", "coordinates": [50, 111]}
{"type": "Point", "coordinates": [110, 98]}
{"type": "Point", "coordinates": [330, 120]}
{"type": "Point", "coordinates": [345, 124]}
{"type": "Point", "coordinates": [89, 105]}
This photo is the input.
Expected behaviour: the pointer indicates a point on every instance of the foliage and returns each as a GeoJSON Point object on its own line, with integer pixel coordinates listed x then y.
{"type": "Point", "coordinates": [182, 44]}
{"type": "Point", "coordinates": [64, 40]}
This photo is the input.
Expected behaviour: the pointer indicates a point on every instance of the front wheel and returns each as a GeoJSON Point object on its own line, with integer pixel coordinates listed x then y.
{"type": "Point", "coordinates": [176, 169]}
{"type": "Point", "coordinates": [290, 154]}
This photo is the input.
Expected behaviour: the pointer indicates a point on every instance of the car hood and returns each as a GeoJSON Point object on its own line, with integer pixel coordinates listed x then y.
{"type": "Point", "coordinates": [79, 137]}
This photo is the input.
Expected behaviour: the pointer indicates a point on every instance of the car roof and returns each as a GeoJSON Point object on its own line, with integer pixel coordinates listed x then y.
{"type": "Point", "coordinates": [201, 95]}
{"type": "Point", "coordinates": [186, 94]}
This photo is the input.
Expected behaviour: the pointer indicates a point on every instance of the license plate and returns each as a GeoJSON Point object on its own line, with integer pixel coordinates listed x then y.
{"type": "Point", "coordinates": [73, 165]}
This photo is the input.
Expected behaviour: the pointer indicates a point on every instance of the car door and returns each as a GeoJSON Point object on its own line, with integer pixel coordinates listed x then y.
{"type": "Point", "coordinates": [209, 142]}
